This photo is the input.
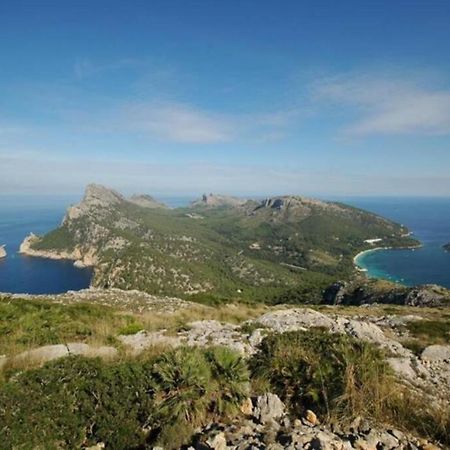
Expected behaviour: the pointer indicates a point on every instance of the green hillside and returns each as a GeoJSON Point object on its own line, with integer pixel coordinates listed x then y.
{"type": "Point", "coordinates": [257, 250]}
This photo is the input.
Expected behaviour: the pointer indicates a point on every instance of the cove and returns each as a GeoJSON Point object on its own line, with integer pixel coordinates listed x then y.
{"type": "Point", "coordinates": [22, 274]}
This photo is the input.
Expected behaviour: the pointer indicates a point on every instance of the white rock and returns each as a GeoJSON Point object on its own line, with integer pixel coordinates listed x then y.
{"type": "Point", "coordinates": [436, 353]}
{"type": "Point", "coordinates": [268, 407]}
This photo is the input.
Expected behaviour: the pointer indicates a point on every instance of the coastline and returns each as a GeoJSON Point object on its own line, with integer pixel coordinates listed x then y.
{"type": "Point", "coordinates": [376, 249]}
{"type": "Point", "coordinates": [79, 261]}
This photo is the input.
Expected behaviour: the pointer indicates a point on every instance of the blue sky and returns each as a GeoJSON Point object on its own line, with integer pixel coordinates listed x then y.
{"type": "Point", "coordinates": [240, 97]}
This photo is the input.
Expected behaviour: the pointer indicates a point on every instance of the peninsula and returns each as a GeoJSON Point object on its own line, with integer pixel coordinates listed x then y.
{"type": "Point", "coordinates": [239, 248]}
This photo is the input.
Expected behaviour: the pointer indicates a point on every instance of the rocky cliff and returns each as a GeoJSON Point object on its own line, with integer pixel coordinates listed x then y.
{"type": "Point", "coordinates": [2, 251]}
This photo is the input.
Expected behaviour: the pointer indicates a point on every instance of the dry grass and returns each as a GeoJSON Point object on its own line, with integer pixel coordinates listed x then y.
{"type": "Point", "coordinates": [232, 313]}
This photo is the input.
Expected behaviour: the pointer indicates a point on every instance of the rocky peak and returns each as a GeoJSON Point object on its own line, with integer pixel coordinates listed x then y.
{"type": "Point", "coordinates": [289, 201]}
{"type": "Point", "coordinates": [213, 200]}
{"type": "Point", "coordinates": [146, 201]}
{"type": "Point", "coordinates": [98, 195]}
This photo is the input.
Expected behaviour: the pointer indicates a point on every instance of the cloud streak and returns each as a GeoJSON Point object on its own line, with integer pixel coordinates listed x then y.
{"type": "Point", "coordinates": [387, 105]}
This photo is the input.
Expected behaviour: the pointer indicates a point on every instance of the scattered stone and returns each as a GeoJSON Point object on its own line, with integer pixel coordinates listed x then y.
{"type": "Point", "coordinates": [247, 407]}
{"type": "Point", "coordinates": [311, 417]}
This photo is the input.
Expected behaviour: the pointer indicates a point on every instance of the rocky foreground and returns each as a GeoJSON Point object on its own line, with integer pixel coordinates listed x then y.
{"type": "Point", "coordinates": [428, 371]}
{"type": "Point", "coordinates": [265, 421]}
{"type": "Point", "coordinates": [268, 426]}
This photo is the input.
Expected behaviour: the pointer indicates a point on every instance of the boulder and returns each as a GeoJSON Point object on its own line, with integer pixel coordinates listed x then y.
{"type": "Point", "coordinates": [436, 353]}
{"type": "Point", "coordinates": [268, 408]}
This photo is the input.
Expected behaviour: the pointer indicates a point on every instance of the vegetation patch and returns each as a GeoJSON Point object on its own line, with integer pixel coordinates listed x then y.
{"type": "Point", "coordinates": [76, 402]}
{"type": "Point", "coordinates": [26, 324]}
{"type": "Point", "coordinates": [430, 332]}
{"type": "Point", "coordinates": [342, 378]}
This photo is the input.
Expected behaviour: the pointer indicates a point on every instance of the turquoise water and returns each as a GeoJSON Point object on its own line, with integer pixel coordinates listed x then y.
{"type": "Point", "coordinates": [429, 219]}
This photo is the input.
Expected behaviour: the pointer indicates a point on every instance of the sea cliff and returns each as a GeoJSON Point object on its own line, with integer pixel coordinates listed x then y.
{"type": "Point", "coordinates": [80, 260]}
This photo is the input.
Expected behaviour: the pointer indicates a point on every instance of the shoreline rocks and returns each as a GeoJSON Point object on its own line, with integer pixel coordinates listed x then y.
{"type": "Point", "coordinates": [2, 251]}
{"type": "Point", "coordinates": [79, 260]}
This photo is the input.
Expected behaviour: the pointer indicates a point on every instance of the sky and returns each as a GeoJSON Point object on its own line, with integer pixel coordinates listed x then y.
{"type": "Point", "coordinates": [243, 97]}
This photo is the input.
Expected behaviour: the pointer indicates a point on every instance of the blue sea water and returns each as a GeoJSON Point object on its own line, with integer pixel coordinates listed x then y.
{"type": "Point", "coordinates": [20, 215]}
{"type": "Point", "coordinates": [428, 218]}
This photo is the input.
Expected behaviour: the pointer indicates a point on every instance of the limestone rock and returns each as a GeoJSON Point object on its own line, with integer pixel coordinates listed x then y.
{"type": "Point", "coordinates": [217, 442]}
{"type": "Point", "coordinates": [311, 417]}
{"type": "Point", "coordinates": [436, 353]}
{"type": "Point", "coordinates": [213, 200]}
{"type": "Point", "coordinates": [146, 201]}
{"type": "Point", "coordinates": [268, 407]}
{"type": "Point", "coordinates": [247, 407]}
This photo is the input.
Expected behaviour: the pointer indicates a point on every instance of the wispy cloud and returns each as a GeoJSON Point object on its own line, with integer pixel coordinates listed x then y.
{"type": "Point", "coordinates": [178, 123]}
{"type": "Point", "coordinates": [186, 123]}
{"type": "Point", "coordinates": [388, 105]}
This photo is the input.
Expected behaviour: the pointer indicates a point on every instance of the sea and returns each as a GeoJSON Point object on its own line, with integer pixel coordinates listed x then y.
{"type": "Point", "coordinates": [427, 218]}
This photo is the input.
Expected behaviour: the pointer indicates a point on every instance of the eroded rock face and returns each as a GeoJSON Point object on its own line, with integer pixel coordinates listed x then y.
{"type": "Point", "coordinates": [343, 293]}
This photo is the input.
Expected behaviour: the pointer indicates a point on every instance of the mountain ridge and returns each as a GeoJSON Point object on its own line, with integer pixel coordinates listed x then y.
{"type": "Point", "coordinates": [239, 246]}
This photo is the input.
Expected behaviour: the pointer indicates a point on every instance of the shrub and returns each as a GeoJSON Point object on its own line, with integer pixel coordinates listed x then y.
{"type": "Point", "coordinates": [73, 402]}
{"type": "Point", "coordinates": [231, 378]}
{"type": "Point", "coordinates": [332, 374]}
{"type": "Point", "coordinates": [192, 385]}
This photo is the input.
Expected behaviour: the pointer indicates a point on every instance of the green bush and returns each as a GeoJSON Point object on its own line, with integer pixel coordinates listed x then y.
{"type": "Point", "coordinates": [193, 385]}
{"type": "Point", "coordinates": [73, 402]}
{"type": "Point", "coordinates": [231, 378]}
{"type": "Point", "coordinates": [76, 401]}
{"type": "Point", "coordinates": [329, 373]}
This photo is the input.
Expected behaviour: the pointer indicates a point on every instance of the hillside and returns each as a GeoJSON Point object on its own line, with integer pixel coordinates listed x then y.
{"type": "Point", "coordinates": [218, 246]}
{"type": "Point", "coordinates": [121, 369]}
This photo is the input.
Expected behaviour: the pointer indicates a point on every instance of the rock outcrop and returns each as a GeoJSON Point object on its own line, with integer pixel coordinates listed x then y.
{"type": "Point", "coordinates": [269, 426]}
{"type": "Point", "coordinates": [2, 251]}
{"type": "Point", "coordinates": [146, 201]}
{"type": "Point", "coordinates": [429, 372]}
{"type": "Point", "coordinates": [446, 247]}
{"type": "Point", "coordinates": [41, 355]}
{"type": "Point", "coordinates": [214, 200]}
{"type": "Point", "coordinates": [80, 259]}
{"type": "Point", "coordinates": [365, 293]}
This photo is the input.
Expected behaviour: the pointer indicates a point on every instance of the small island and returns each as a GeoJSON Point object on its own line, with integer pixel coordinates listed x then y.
{"type": "Point", "coordinates": [446, 247]}
{"type": "Point", "coordinates": [2, 251]}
